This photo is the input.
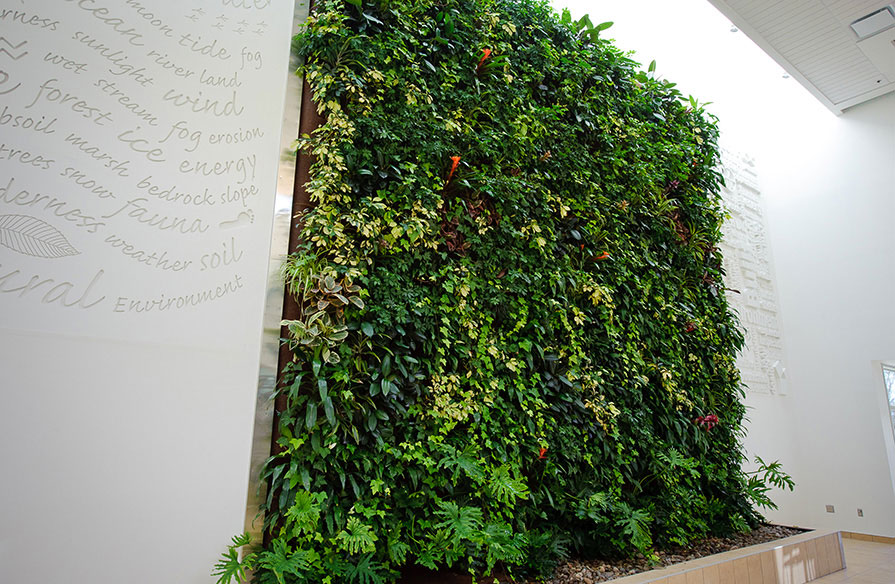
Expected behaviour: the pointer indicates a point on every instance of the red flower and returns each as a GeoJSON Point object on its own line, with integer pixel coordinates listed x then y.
{"type": "Point", "coordinates": [485, 54]}
{"type": "Point", "coordinates": [582, 247]}
{"type": "Point", "coordinates": [603, 256]}
{"type": "Point", "coordinates": [708, 422]}
{"type": "Point", "coordinates": [456, 160]}
{"type": "Point", "coordinates": [690, 326]}
{"type": "Point", "coordinates": [542, 454]}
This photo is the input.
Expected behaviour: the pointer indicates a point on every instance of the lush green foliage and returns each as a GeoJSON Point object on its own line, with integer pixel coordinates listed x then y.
{"type": "Point", "coordinates": [514, 341]}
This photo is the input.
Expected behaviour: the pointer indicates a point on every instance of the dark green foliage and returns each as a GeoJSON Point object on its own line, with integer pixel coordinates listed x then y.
{"type": "Point", "coordinates": [512, 303]}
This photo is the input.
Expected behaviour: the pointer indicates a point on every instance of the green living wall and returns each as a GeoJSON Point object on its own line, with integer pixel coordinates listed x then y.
{"type": "Point", "coordinates": [514, 342]}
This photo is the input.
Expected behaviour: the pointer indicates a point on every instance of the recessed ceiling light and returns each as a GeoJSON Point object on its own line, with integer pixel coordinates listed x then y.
{"type": "Point", "coordinates": [874, 22]}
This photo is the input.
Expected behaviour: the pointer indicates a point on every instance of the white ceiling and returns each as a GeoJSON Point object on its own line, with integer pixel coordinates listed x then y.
{"type": "Point", "coordinates": [813, 42]}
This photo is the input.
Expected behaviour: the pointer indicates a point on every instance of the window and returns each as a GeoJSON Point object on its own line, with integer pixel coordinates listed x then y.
{"type": "Point", "coordinates": [889, 377]}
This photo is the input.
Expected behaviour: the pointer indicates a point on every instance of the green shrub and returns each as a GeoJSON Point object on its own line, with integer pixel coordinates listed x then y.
{"type": "Point", "coordinates": [514, 342]}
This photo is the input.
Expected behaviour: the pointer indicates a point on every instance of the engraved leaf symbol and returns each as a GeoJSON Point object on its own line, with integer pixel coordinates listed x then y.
{"type": "Point", "coordinates": [31, 236]}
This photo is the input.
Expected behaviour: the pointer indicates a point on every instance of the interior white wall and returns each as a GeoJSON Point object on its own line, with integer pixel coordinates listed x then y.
{"type": "Point", "coordinates": [830, 186]}
{"type": "Point", "coordinates": [125, 434]}
{"type": "Point", "coordinates": [122, 462]}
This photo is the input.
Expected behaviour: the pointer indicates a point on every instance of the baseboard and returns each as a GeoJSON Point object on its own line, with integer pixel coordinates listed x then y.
{"type": "Point", "coordinates": [866, 537]}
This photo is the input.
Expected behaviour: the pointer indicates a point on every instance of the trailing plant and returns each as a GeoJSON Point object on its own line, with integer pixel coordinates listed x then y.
{"type": "Point", "coordinates": [512, 342]}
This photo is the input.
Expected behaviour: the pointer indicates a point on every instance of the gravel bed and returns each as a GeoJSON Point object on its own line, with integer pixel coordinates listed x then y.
{"type": "Point", "coordinates": [592, 571]}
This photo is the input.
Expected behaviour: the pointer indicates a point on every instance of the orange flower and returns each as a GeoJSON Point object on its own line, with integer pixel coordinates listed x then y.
{"type": "Point", "coordinates": [542, 454]}
{"type": "Point", "coordinates": [456, 160]}
{"type": "Point", "coordinates": [485, 54]}
{"type": "Point", "coordinates": [603, 256]}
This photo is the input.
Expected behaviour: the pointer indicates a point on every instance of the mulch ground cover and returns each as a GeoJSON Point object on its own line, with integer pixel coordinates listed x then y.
{"type": "Point", "coordinates": [592, 571]}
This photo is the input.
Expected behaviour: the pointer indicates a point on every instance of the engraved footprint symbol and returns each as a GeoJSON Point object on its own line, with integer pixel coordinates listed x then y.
{"type": "Point", "coordinates": [244, 218]}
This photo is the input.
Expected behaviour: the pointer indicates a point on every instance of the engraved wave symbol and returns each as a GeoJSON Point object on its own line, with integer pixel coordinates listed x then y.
{"type": "Point", "coordinates": [13, 47]}
{"type": "Point", "coordinates": [31, 236]}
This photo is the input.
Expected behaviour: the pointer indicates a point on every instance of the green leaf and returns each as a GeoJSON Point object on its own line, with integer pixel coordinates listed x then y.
{"type": "Point", "coordinates": [365, 571]}
{"type": "Point", "coordinates": [229, 567]}
{"type": "Point", "coordinates": [356, 538]}
{"type": "Point", "coordinates": [371, 18]}
{"type": "Point", "coordinates": [460, 522]}
{"type": "Point", "coordinates": [635, 524]}
{"type": "Point", "coordinates": [311, 416]}
{"type": "Point", "coordinates": [367, 328]}
{"type": "Point", "coordinates": [329, 411]}
{"type": "Point", "coordinates": [322, 388]}
{"type": "Point", "coordinates": [305, 478]}
{"type": "Point", "coordinates": [506, 488]}
{"type": "Point", "coordinates": [305, 512]}
{"type": "Point", "coordinates": [282, 561]}
{"type": "Point", "coordinates": [397, 551]}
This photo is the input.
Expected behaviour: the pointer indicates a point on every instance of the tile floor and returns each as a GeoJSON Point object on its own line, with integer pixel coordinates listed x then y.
{"type": "Point", "coordinates": [868, 563]}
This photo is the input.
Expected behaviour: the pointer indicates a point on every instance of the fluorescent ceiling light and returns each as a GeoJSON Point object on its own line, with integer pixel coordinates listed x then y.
{"type": "Point", "coordinates": [874, 22]}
